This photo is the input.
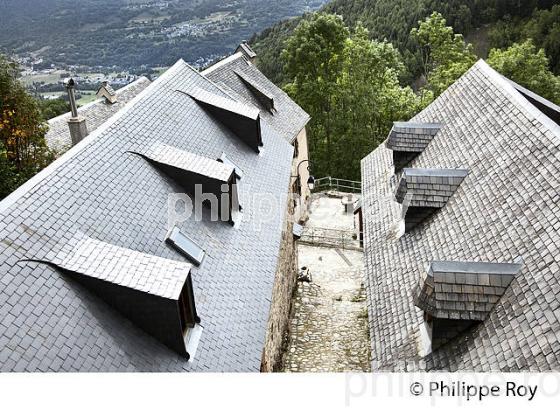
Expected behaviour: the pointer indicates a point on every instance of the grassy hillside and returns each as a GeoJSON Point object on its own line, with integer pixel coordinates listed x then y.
{"type": "Point", "coordinates": [487, 23]}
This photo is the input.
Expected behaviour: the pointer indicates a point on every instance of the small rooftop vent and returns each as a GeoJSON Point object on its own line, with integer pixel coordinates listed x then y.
{"type": "Point", "coordinates": [265, 98]}
{"type": "Point", "coordinates": [456, 295]}
{"type": "Point", "coordinates": [107, 92]}
{"type": "Point", "coordinates": [423, 191]}
{"type": "Point", "coordinates": [243, 120]}
{"type": "Point", "coordinates": [410, 139]}
{"type": "Point", "coordinates": [154, 293]}
{"type": "Point", "coordinates": [247, 51]}
{"type": "Point", "coordinates": [202, 177]}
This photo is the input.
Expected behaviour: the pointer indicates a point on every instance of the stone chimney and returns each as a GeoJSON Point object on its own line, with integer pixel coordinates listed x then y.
{"type": "Point", "coordinates": [77, 124]}
{"type": "Point", "coordinates": [247, 51]}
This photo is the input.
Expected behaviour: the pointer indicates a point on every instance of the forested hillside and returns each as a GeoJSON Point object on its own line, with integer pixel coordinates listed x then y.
{"type": "Point", "coordinates": [497, 23]}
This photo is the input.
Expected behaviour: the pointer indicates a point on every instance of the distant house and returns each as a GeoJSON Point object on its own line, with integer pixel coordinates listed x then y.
{"type": "Point", "coordinates": [97, 112]}
{"type": "Point", "coordinates": [96, 278]}
{"type": "Point", "coordinates": [239, 76]}
{"type": "Point", "coordinates": [461, 219]}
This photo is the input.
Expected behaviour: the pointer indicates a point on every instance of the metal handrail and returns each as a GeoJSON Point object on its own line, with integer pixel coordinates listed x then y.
{"type": "Point", "coordinates": [337, 184]}
{"type": "Point", "coordinates": [345, 239]}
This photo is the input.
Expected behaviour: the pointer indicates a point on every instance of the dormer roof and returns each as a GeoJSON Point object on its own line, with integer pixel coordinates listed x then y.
{"type": "Point", "coordinates": [144, 288]}
{"type": "Point", "coordinates": [408, 139]}
{"type": "Point", "coordinates": [107, 92]}
{"type": "Point", "coordinates": [187, 162]}
{"type": "Point", "coordinates": [197, 175]}
{"type": "Point", "coordinates": [424, 191]}
{"type": "Point", "coordinates": [262, 95]}
{"type": "Point", "coordinates": [238, 76]}
{"type": "Point", "coordinates": [243, 120]}
{"type": "Point", "coordinates": [463, 290]}
{"type": "Point", "coordinates": [246, 49]}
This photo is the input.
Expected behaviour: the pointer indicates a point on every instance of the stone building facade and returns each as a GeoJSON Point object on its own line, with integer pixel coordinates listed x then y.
{"type": "Point", "coordinates": [284, 286]}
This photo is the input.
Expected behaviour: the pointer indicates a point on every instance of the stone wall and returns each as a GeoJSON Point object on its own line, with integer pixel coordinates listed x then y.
{"type": "Point", "coordinates": [284, 284]}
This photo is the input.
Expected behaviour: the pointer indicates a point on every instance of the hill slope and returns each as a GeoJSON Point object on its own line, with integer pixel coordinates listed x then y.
{"type": "Point", "coordinates": [393, 20]}
{"type": "Point", "coordinates": [130, 33]}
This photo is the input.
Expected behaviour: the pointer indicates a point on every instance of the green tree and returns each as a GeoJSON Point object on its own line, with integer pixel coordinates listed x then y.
{"type": "Point", "coordinates": [370, 98]}
{"type": "Point", "coordinates": [350, 86]}
{"type": "Point", "coordinates": [528, 66]}
{"type": "Point", "coordinates": [23, 150]}
{"type": "Point", "coordinates": [313, 58]}
{"type": "Point", "coordinates": [53, 108]}
{"type": "Point", "coordinates": [445, 55]}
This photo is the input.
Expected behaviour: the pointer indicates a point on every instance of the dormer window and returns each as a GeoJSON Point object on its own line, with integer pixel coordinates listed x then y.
{"type": "Point", "coordinates": [186, 246]}
{"type": "Point", "coordinates": [107, 92]}
{"type": "Point", "coordinates": [264, 97]}
{"type": "Point", "coordinates": [243, 120]}
{"type": "Point", "coordinates": [424, 191]}
{"type": "Point", "coordinates": [205, 179]}
{"type": "Point", "coordinates": [410, 139]}
{"type": "Point", "coordinates": [457, 295]}
{"type": "Point", "coordinates": [247, 51]}
{"type": "Point", "coordinates": [154, 293]}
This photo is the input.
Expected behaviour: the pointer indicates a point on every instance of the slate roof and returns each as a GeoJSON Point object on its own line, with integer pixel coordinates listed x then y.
{"type": "Point", "coordinates": [235, 72]}
{"type": "Point", "coordinates": [50, 322]}
{"type": "Point", "coordinates": [96, 113]}
{"type": "Point", "coordinates": [506, 207]}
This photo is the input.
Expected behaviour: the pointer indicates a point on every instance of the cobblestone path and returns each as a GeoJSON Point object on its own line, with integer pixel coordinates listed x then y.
{"type": "Point", "coordinates": [329, 330]}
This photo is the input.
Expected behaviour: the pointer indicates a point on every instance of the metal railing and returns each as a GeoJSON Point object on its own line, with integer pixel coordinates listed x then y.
{"type": "Point", "coordinates": [337, 184]}
{"type": "Point", "coordinates": [345, 239]}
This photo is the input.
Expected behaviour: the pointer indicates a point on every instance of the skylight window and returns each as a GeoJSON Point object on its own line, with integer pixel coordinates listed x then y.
{"type": "Point", "coordinates": [186, 246]}
{"type": "Point", "coordinates": [225, 160]}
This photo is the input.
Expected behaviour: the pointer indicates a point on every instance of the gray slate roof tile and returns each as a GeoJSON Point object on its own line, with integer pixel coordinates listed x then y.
{"type": "Point", "coordinates": [506, 207]}
{"type": "Point", "coordinates": [113, 196]}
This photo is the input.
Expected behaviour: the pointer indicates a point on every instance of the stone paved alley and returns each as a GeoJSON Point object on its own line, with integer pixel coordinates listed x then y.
{"type": "Point", "coordinates": [329, 330]}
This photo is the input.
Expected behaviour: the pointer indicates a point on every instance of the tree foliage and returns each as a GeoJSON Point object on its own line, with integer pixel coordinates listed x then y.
{"type": "Point", "coordinates": [53, 108]}
{"type": "Point", "coordinates": [23, 151]}
{"type": "Point", "coordinates": [445, 55]}
{"type": "Point", "coordinates": [350, 87]}
{"type": "Point", "coordinates": [528, 66]}
{"type": "Point", "coordinates": [392, 20]}
{"type": "Point", "coordinates": [543, 28]}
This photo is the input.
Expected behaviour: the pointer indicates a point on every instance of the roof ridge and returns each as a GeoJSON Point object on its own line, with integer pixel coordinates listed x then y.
{"type": "Point", "coordinates": [516, 97]}
{"type": "Point", "coordinates": [98, 100]}
{"type": "Point", "coordinates": [222, 62]}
